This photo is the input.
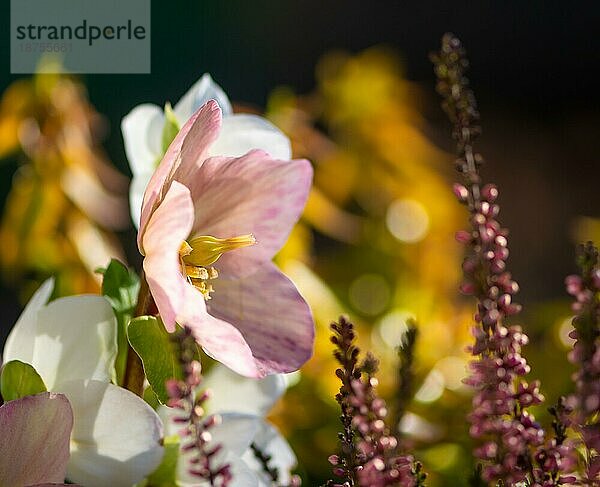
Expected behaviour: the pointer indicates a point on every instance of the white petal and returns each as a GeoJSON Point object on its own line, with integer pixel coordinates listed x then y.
{"type": "Point", "coordinates": [116, 435]}
{"type": "Point", "coordinates": [19, 344]}
{"type": "Point", "coordinates": [243, 475]}
{"type": "Point", "coordinates": [270, 442]}
{"type": "Point", "coordinates": [136, 195]}
{"type": "Point", "coordinates": [236, 432]}
{"type": "Point", "coordinates": [76, 338]}
{"type": "Point", "coordinates": [201, 91]}
{"type": "Point", "coordinates": [232, 392]}
{"type": "Point", "coordinates": [242, 132]}
{"type": "Point", "coordinates": [142, 134]}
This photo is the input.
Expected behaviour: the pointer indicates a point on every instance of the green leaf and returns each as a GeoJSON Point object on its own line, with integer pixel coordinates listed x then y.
{"type": "Point", "coordinates": [150, 340]}
{"type": "Point", "coordinates": [20, 379]}
{"type": "Point", "coordinates": [166, 473]}
{"type": "Point", "coordinates": [170, 129]}
{"type": "Point", "coordinates": [121, 286]}
{"type": "Point", "coordinates": [150, 397]}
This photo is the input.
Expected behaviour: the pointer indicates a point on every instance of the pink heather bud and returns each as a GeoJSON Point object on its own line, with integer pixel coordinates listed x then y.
{"type": "Point", "coordinates": [573, 284]}
{"type": "Point", "coordinates": [487, 234]}
{"type": "Point", "coordinates": [585, 296]}
{"type": "Point", "coordinates": [504, 300]}
{"type": "Point", "coordinates": [512, 309]}
{"type": "Point", "coordinates": [461, 193]}
{"type": "Point", "coordinates": [491, 317]}
{"type": "Point", "coordinates": [463, 237]}
{"type": "Point", "coordinates": [467, 288]}
{"type": "Point", "coordinates": [478, 219]}
{"type": "Point", "coordinates": [469, 265]}
{"type": "Point", "coordinates": [378, 464]}
{"type": "Point", "coordinates": [501, 241]}
{"type": "Point", "coordinates": [497, 266]}
{"type": "Point", "coordinates": [511, 287]}
{"type": "Point", "coordinates": [502, 253]}
{"type": "Point", "coordinates": [173, 387]}
{"type": "Point", "coordinates": [489, 192]}
{"type": "Point", "coordinates": [334, 459]}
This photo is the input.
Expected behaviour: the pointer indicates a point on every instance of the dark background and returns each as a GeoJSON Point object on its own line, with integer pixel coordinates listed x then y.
{"type": "Point", "coordinates": [534, 70]}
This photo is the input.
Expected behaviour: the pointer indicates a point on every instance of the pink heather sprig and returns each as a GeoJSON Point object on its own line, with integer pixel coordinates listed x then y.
{"type": "Point", "coordinates": [346, 353]}
{"type": "Point", "coordinates": [558, 457]}
{"type": "Point", "coordinates": [585, 288]}
{"type": "Point", "coordinates": [369, 454]}
{"type": "Point", "coordinates": [196, 426]}
{"type": "Point", "coordinates": [511, 441]}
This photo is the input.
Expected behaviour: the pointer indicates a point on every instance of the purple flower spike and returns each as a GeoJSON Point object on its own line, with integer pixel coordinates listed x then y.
{"type": "Point", "coordinates": [511, 443]}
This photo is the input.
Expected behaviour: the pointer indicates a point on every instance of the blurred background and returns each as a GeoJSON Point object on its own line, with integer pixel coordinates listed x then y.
{"type": "Point", "coordinates": [351, 84]}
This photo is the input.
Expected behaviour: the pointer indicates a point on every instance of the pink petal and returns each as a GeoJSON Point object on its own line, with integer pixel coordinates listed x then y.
{"type": "Point", "coordinates": [168, 227]}
{"type": "Point", "coordinates": [250, 194]}
{"type": "Point", "coordinates": [219, 339]}
{"type": "Point", "coordinates": [202, 128]}
{"type": "Point", "coordinates": [34, 447]}
{"type": "Point", "coordinates": [274, 319]}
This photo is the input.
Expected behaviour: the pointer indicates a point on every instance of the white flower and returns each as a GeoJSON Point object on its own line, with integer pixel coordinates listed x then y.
{"type": "Point", "coordinates": [142, 133]}
{"type": "Point", "coordinates": [242, 404]}
{"type": "Point", "coordinates": [71, 343]}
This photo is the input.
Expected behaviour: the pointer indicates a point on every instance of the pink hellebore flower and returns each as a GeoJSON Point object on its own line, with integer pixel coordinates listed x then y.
{"type": "Point", "coordinates": [34, 445]}
{"type": "Point", "coordinates": [236, 213]}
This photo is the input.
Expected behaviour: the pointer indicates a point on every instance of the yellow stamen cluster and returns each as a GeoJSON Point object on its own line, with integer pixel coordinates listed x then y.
{"type": "Point", "coordinates": [201, 252]}
{"type": "Point", "coordinates": [198, 277]}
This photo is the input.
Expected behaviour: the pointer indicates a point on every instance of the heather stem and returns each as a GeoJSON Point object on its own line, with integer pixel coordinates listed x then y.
{"type": "Point", "coordinates": [134, 372]}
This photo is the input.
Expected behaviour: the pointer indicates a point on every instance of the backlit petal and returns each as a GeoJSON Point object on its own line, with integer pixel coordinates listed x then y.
{"type": "Point", "coordinates": [273, 317]}
{"type": "Point", "coordinates": [136, 195]}
{"type": "Point", "coordinates": [19, 344]}
{"type": "Point", "coordinates": [34, 446]}
{"type": "Point", "coordinates": [219, 339]}
{"type": "Point", "coordinates": [76, 338]}
{"type": "Point", "coordinates": [232, 392]}
{"type": "Point", "coordinates": [169, 226]}
{"type": "Point", "coordinates": [142, 128]}
{"type": "Point", "coordinates": [243, 132]}
{"type": "Point", "coordinates": [116, 435]}
{"type": "Point", "coordinates": [203, 127]}
{"type": "Point", "coordinates": [251, 194]}
{"type": "Point", "coordinates": [201, 91]}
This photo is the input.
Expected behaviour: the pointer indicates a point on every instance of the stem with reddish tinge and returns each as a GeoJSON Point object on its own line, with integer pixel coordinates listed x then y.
{"type": "Point", "coordinates": [134, 371]}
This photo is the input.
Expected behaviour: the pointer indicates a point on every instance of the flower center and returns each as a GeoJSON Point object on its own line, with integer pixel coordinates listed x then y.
{"type": "Point", "coordinates": [198, 255]}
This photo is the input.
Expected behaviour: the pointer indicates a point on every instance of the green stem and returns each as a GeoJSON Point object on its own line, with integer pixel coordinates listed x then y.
{"type": "Point", "coordinates": [134, 371]}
